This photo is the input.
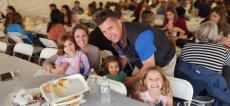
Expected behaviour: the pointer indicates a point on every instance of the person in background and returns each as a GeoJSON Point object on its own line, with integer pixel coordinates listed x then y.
{"type": "Point", "coordinates": [147, 17]}
{"type": "Point", "coordinates": [219, 16]}
{"type": "Point", "coordinates": [201, 63]}
{"type": "Point", "coordinates": [9, 11]}
{"type": "Point", "coordinates": [77, 9]}
{"type": "Point", "coordinates": [67, 16]}
{"type": "Point", "coordinates": [16, 25]}
{"type": "Point", "coordinates": [91, 9]}
{"type": "Point", "coordinates": [171, 19]}
{"type": "Point", "coordinates": [113, 68]}
{"type": "Point", "coordinates": [101, 6]}
{"type": "Point", "coordinates": [56, 27]}
{"type": "Point", "coordinates": [52, 6]}
{"type": "Point", "coordinates": [154, 88]}
{"type": "Point", "coordinates": [70, 60]}
{"type": "Point", "coordinates": [203, 7]}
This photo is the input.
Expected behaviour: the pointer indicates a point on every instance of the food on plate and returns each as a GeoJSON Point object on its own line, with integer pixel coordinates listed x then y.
{"type": "Point", "coordinates": [74, 104]}
{"type": "Point", "coordinates": [36, 99]}
{"type": "Point", "coordinates": [63, 82]}
{"type": "Point", "coordinates": [61, 87]}
{"type": "Point", "coordinates": [47, 88]}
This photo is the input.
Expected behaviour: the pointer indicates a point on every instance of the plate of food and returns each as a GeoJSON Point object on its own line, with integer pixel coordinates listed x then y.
{"type": "Point", "coordinates": [64, 88]}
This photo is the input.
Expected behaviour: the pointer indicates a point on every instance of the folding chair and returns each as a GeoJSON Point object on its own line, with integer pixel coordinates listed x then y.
{"type": "Point", "coordinates": [18, 37]}
{"type": "Point", "coordinates": [23, 48]}
{"type": "Point", "coordinates": [3, 47]}
{"type": "Point", "coordinates": [105, 53]}
{"type": "Point", "coordinates": [117, 87]}
{"type": "Point", "coordinates": [113, 85]}
{"type": "Point", "coordinates": [46, 53]}
{"type": "Point", "coordinates": [181, 89]}
{"type": "Point", "coordinates": [48, 43]}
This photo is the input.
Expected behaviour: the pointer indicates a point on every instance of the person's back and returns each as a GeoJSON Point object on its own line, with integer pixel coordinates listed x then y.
{"type": "Point", "coordinates": [16, 28]}
{"type": "Point", "coordinates": [209, 55]}
{"type": "Point", "coordinates": [56, 31]}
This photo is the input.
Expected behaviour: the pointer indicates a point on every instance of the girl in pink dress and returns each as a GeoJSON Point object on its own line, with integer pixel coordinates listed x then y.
{"type": "Point", "coordinates": [155, 89]}
{"type": "Point", "coordinates": [70, 60]}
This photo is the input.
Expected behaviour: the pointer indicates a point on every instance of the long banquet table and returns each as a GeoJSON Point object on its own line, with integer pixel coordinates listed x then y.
{"type": "Point", "coordinates": [26, 79]}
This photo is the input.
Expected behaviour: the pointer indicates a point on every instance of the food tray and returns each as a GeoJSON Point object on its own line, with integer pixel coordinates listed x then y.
{"type": "Point", "coordinates": [75, 86]}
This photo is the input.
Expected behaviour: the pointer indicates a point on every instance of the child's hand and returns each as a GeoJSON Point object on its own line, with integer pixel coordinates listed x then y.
{"type": "Point", "coordinates": [49, 67]}
{"type": "Point", "coordinates": [64, 64]}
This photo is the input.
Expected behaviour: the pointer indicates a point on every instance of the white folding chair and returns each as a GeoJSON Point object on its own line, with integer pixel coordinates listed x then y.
{"type": "Point", "coordinates": [18, 37]}
{"type": "Point", "coordinates": [117, 87]}
{"type": "Point", "coordinates": [46, 53]}
{"type": "Point", "coordinates": [23, 48]}
{"type": "Point", "coordinates": [105, 53]}
{"type": "Point", "coordinates": [181, 89]}
{"type": "Point", "coordinates": [48, 43]}
{"type": "Point", "coordinates": [3, 47]}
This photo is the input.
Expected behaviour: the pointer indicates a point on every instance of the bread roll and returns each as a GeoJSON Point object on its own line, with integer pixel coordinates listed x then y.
{"type": "Point", "coordinates": [47, 88]}
{"type": "Point", "coordinates": [63, 82]}
{"type": "Point", "coordinates": [61, 88]}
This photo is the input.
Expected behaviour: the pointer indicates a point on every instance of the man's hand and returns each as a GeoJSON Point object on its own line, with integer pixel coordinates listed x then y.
{"type": "Point", "coordinates": [129, 81]}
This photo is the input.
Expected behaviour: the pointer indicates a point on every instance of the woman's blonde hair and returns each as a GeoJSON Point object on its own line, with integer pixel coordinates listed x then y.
{"type": "Point", "coordinates": [166, 90]}
{"type": "Point", "coordinates": [208, 31]}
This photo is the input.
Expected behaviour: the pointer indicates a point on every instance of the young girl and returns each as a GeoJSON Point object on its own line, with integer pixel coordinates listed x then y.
{"type": "Point", "coordinates": [112, 67]}
{"type": "Point", "coordinates": [155, 89]}
{"type": "Point", "coordinates": [70, 61]}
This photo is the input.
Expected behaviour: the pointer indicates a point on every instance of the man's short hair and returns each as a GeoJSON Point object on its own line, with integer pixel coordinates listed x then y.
{"type": "Point", "coordinates": [147, 16]}
{"type": "Point", "coordinates": [100, 16]}
{"type": "Point", "coordinates": [53, 5]}
{"type": "Point", "coordinates": [77, 2]}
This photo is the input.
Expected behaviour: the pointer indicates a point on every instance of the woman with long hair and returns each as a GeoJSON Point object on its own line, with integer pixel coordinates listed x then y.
{"type": "Point", "coordinates": [56, 27]}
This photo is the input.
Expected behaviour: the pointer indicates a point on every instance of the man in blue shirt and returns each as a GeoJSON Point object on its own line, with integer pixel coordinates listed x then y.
{"type": "Point", "coordinates": [135, 42]}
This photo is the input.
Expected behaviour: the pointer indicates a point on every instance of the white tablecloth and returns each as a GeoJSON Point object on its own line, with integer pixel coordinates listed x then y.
{"type": "Point", "coordinates": [31, 76]}
{"type": "Point", "coordinates": [3, 55]}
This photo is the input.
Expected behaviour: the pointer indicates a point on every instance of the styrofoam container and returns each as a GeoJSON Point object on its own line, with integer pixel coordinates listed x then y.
{"type": "Point", "coordinates": [76, 87]}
